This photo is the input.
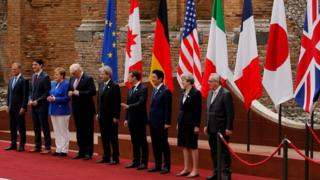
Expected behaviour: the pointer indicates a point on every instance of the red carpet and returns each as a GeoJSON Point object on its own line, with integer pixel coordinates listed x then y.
{"type": "Point", "coordinates": [28, 166]}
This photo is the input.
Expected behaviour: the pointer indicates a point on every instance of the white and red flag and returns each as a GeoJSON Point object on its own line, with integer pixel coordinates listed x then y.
{"type": "Point", "coordinates": [247, 71]}
{"type": "Point", "coordinates": [277, 77]}
{"type": "Point", "coordinates": [133, 48]}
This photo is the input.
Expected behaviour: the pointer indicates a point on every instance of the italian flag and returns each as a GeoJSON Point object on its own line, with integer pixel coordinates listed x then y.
{"type": "Point", "coordinates": [161, 59]}
{"type": "Point", "coordinates": [217, 54]}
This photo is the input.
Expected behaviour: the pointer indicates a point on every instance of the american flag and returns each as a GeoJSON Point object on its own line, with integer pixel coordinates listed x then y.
{"type": "Point", "coordinates": [307, 86]}
{"type": "Point", "coordinates": [189, 60]}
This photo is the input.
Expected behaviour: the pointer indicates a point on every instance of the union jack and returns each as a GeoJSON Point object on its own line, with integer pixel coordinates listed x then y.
{"type": "Point", "coordinates": [307, 87]}
{"type": "Point", "coordinates": [189, 60]}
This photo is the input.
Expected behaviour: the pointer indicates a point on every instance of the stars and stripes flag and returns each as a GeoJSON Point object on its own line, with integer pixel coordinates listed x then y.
{"type": "Point", "coordinates": [189, 60]}
{"type": "Point", "coordinates": [217, 54]}
{"type": "Point", "coordinates": [247, 71]}
{"type": "Point", "coordinates": [133, 49]}
{"type": "Point", "coordinates": [109, 55]}
{"type": "Point", "coordinates": [307, 87]}
{"type": "Point", "coordinates": [277, 77]}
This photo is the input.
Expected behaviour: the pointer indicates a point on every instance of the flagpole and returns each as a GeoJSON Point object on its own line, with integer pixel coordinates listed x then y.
{"type": "Point", "coordinates": [280, 126]}
{"type": "Point", "coordinates": [248, 130]}
{"type": "Point", "coordinates": [311, 139]}
{"type": "Point", "coordinates": [307, 145]}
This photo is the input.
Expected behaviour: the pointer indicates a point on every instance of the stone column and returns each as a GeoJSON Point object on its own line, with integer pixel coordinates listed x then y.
{"type": "Point", "coordinates": [13, 52]}
{"type": "Point", "coordinates": [88, 41]}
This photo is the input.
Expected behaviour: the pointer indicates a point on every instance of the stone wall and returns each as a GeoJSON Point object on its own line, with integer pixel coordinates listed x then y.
{"type": "Point", "coordinates": [3, 29]}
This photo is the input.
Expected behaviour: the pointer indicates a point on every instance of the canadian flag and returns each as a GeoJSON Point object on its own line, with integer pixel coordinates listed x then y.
{"type": "Point", "coordinates": [277, 77]}
{"type": "Point", "coordinates": [247, 71]}
{"type": "Point", "coordinates": [133, 49]}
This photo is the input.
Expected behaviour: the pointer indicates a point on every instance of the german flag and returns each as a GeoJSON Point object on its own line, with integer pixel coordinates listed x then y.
{"type": "Point", "coordinates": [161, 59]}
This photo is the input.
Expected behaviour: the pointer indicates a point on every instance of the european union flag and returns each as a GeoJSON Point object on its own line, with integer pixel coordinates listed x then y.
{"type": "Point", "coordinates": [109, 50]}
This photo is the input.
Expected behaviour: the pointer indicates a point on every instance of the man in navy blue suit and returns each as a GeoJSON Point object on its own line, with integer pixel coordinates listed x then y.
{"type": "Point", "coordinates": [39, 90]}
{"type": "Point", "coordinates": [159, 122]}
{"type": "Point", "coordinates": [17, 101]}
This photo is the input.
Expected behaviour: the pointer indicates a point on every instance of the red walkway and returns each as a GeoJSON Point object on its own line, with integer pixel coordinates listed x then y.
{"type": "Point", "coordinates": [28, 166]}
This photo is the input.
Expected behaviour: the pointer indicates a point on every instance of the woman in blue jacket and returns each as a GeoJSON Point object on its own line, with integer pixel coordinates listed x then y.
{"type": "Point", "coordinates": [59, 111]}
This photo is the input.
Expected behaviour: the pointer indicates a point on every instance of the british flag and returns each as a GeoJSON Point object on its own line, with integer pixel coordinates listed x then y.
{"type": "Point", "coordinates": [189, 60]}
{"type": "Point", "coordinates": [307, 87]}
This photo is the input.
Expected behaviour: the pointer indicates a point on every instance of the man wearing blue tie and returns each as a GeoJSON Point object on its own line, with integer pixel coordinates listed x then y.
{"type": "Point", "coordinates": [17, 101]}
{"type": "Point", "coordinates": [159, 122]}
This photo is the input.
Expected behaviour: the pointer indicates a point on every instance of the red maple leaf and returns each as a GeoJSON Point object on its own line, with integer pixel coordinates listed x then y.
{"type": "Point", "coordinates": [131, 41]}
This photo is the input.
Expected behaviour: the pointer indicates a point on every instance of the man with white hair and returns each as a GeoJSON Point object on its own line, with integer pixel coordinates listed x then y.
{"type": "Point", "coordinates": [108, 100]}
{"type": "Point", "coordinates": [219, 118]}
{"type": "Point", "coordinates": [81, 91]}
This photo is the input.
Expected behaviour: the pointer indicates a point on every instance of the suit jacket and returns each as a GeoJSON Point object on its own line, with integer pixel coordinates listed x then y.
{"type": "Point", "coordinates": [39, 91]}
{"type": "Point", "coordinates": [137, 100]}
{"type": "Point", "coordinates": [190, 110]}
{"type": "Point", "coordinates": [17, 97]}
{"type": "Point", "coordinates": [161, 107]}
{"type": "Point", "coordinates": [109, 101]}
{"type": "Point", "coordinates": [61, 105]}
{"type": "Point", "coordinates": [83, 103]}
{"type": "Point", "coordinates": [220, 112]}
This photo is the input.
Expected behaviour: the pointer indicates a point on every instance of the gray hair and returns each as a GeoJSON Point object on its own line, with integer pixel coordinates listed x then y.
{"type": "Point", "coordinates": [215, 77]}
{"type": "Point", "coordinates": [106, 69]}
{"type": "Point", "coordinates": [16, 64]}
{"type": "Point", "coordinates": [188, 77]}
{"type": "Point", "coordinates": [75, 67]}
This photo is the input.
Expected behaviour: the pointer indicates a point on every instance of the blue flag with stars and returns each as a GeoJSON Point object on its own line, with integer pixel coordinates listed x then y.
{"type": "Point", "coordinates": [109, 50]}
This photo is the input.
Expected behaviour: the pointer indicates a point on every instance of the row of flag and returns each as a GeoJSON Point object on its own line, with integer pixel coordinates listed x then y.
{"type": "Point", "coordinates": [277, 76]}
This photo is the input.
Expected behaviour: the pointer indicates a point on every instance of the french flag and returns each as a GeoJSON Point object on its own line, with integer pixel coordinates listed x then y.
{"type": "Point", "coordinates": [247, 71]}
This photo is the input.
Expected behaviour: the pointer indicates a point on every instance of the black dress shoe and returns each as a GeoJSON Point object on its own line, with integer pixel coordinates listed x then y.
{"type": "Point", "coordinates": [103, 161]}
{"type": "Point", "coordinates": [142, 167]}
{"type": "Point", "coordinates": [164, 170]}
{"type": "Point", "coordinates": [55, 154]}
{"type": "Point", "coordinates": [227, 176]}
{"type": "Point", "coordinates": [78, 156]}
{"type": "Point", "coordinates": [63, 154]}
{"type": "Point", "coordinates": [20, 149]}
{"type": "Point", "coordinates": [155, 169]}
{"type": "Point", "coordinates": [213, 177]}
{"type": "Point", "coordinates": [87, 157]}
{"type": "Point", "coordinates": [114, 162]}
{"type": "Point", "coordinates": [12, 147]}
{"type": "Point", "coordinates": [132, 165]}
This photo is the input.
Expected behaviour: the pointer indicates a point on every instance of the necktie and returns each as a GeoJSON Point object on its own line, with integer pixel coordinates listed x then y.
{"type": "Point", "coordinates": [214, 95]}
{"type": "Point", "coordinates": [155, 91]}
{"type": "Point", "coordinates": [36, 78]}
{"type": "Point", "coordinates": [14, 82]}
{"type": "Point", "coordinates": [75, 84]}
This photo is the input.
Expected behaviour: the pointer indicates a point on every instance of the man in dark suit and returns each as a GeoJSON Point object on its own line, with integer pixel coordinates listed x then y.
{"type": "Point", "coordinates": [17, 101]}
{"type": "Point", "coordinates": [159, 122]}
{"type": "Point", "coordinates": [219, 118]}
{"type": "Point", "coordinates": [136, 119]}
{"type": "Point", "coordinates": [40, 86]}
{"type": "Point", "coordinates": [109, 100]}
{"type": "Point", "coordinates": [82, 90]}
